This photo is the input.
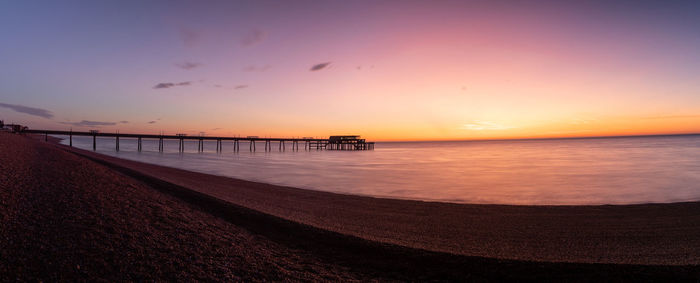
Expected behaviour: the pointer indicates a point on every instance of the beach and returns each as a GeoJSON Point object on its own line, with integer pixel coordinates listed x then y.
{"type": "Point", "coordinates": [71, 214]}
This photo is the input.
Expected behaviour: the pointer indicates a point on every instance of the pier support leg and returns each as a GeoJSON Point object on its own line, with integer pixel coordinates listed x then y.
{"type": "Point", "coordinates": [46, 136]}
{"type": "Point", "coordinates": [117, 143]}
{"type": "Point", "coordinates": [94, 143]}
{"type": "Point", "coordinates": [70, 138]}
{"type": "Point", "coordinates": [139, 145]}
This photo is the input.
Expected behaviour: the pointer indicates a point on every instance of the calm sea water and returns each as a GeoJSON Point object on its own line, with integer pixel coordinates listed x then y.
{"type": "Point", "coordinates": [563, 171]}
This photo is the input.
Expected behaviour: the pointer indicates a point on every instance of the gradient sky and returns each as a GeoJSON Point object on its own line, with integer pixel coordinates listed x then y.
{"type": "Point", "coordinates": [388, 70]}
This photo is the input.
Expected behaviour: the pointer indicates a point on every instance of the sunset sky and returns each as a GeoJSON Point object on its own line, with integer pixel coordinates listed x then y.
{"type": "Point", "coordinates": [387, 70]}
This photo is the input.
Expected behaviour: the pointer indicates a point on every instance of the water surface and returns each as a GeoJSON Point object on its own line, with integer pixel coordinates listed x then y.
{"type": "Point", "coordinates": [558, 171]}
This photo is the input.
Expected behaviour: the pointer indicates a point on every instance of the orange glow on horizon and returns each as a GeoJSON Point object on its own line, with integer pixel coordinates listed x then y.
{"type": "Point", "coordinates": [455, 71]}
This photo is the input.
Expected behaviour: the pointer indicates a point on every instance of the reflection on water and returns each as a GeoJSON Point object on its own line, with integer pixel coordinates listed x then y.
{"type": "Point", "coordinates": [569, 171]}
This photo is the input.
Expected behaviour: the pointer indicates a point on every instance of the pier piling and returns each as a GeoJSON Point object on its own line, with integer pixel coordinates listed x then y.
{"type": "Point", "coordinates": [331, 143]}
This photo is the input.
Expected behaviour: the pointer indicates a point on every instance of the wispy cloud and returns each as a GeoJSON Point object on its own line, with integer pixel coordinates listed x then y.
{"type": "Point", "coordinates": [253, 68]}
{"type": "Point", "coordinates": [583, 121]}
{"type": "Point", "coordinates": [240, 87]}
{"type": "Point", "coordinates": [86, 123]}
{"type": "Point", "coordinates": [169, 85]}
{"type": "Point", "coordinates": [319, 66]}
{"type": "Point", "coordinates": [189, 37]}
{"type": "Point", "coordinates": [187, 65]}
{"type": "Point", "coordinates": [672, 117]}
{"type": "Point", "coordinates": [253, 37]}
{"type": "Point", "coordinates": [484, 125]}
{"type": "Point", "coordinates": [568, 132]}
{"type": "Point", "coordinates": [151, 122]}
{"type": "Point", "coordinates": [124, 122]}
{"type": "Point", "coordinates": [28, 110]}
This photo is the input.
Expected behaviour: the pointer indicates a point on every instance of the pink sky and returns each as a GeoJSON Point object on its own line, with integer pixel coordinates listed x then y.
{"type": "Point", "coordinates": [398, 70]}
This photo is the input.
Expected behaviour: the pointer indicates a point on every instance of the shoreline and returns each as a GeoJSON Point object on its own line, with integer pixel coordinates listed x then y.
{"type": "Point", "coordinates": [462, 201]}
{"type": "Point", "coordinates": [88, 154]}
{"type": "Point", "coordinates": [302, 238]}
{"type": "Point", "coordinates": [617, 234]}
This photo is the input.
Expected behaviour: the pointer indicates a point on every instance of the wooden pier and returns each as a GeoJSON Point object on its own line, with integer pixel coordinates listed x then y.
{"type": "Point", "coordinates": [352, 142]}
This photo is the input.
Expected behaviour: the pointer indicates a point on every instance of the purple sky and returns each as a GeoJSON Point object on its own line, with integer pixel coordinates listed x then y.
{"type": "Point", "coordinates": [383, 69]}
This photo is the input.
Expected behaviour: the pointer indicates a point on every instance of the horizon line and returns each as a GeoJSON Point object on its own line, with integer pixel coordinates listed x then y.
{"type": "Point", "coordinates": [502, 139]}
{"type": "Point", "coordinates": [551, 138]}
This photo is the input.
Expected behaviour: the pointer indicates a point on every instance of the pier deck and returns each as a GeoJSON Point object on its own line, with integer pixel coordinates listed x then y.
{"type": "Point", "coordinates": [332, 143]}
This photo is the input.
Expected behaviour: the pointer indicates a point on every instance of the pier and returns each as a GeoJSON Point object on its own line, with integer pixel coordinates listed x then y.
{"type": "Point", "coordinates": [350, 142]}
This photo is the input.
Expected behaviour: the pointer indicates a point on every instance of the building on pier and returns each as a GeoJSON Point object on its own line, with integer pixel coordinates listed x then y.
{"type": "Point", "coordinates": [352, 142]}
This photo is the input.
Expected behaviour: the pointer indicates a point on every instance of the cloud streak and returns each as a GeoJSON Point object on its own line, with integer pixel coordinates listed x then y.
{"type": "Point", "coordinates": [253, 37]}
{"type": "Point", "coordinates": [253, 68]}
{"type": "Point", "coordinates": [87, 123]}
{"type": "Point", "coordinates": [28, 110]}
{"type": "Point", "coordinates": [189, 37]}
{"type": "Point", "coordinates": [187, 65]}
{"type": "Point", "coordinates": [240, 87]}
{"type": "Point", "coordinates": [672, 117]}
{"type": "Point", "coordinates": [484, 125]}
{"type": "Point", "coordinates": [319, 66]}
{"type": "Point", "coordinates": [169, 85]}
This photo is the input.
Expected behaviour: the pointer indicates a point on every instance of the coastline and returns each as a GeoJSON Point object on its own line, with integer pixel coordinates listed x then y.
{"type": "Point", "coordinates": [618, 234]}
{"type": "Point", "coordinates": [452, 241]}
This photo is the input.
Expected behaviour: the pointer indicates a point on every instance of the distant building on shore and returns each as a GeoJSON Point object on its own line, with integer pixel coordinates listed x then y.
{"type": "Point", "coordinates": [15, 128]}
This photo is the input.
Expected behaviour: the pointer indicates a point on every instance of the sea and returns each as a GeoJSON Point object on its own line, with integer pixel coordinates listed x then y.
{"type": "Point", "coordinates": [582, 171]}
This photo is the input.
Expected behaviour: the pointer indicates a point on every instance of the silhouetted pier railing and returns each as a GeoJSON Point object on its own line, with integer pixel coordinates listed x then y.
{"type": "Point", "coordinates": [353, 142]}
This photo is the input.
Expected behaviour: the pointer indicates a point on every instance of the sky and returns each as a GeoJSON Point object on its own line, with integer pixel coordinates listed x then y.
{"type": "Point", "coordinates": [386, 70]}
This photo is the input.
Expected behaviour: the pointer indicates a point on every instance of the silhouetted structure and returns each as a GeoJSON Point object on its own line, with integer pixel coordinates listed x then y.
{"type": "Point", "coordinates": [347, 143]}
{"type": "Point", "coordinates": [350, 142]}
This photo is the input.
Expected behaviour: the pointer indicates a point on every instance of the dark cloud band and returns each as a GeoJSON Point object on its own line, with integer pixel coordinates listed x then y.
{"type": "Point", "coordinates": [169, 85]}
{"type": "Point", "coordinates": [86, 123]}
{"type": "Point", "coordinates": [319, 66]}
{"type": "Point", "coordinates": [28, 110]}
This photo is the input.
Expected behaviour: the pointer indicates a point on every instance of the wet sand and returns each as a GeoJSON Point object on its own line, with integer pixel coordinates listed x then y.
{"type": "Point", "coordinates": [72, 214]}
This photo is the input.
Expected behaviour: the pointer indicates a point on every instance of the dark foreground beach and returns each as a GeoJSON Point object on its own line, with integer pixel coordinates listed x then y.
{"type": "Point", "coordinates": [69, 214]}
